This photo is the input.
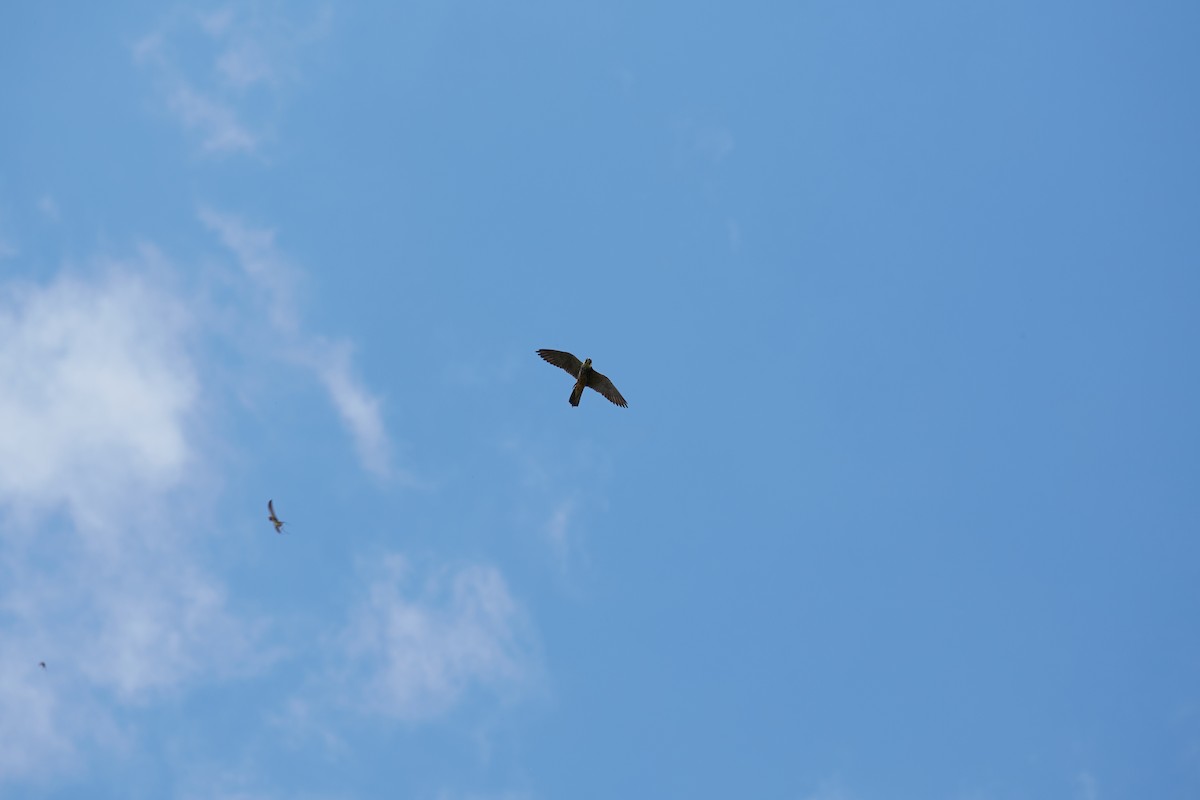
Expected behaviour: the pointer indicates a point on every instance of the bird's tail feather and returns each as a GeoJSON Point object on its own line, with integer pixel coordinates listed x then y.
{"type": "Point", "coordinates": [576, 393]}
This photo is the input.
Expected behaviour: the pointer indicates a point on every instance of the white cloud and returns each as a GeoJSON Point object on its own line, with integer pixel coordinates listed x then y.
{"type": "Point", "coordinates": [330, 362]}
{"type": "Point", "coordinates": [415, 652]}
{"type": "Point", "coordinates": [106, 472]}
{"type": "Point", "coordinates": [95, 374]}
{"type": "Point", "coordinates": [99, 578]}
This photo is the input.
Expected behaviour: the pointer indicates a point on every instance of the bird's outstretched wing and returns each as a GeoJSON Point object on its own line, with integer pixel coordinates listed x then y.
{"type": "Point", "coordinates": [566, 361]}
{"type": "Point", "coordinates": [271, 508]}
{"type": "Point", "coordinates": [604, 386]}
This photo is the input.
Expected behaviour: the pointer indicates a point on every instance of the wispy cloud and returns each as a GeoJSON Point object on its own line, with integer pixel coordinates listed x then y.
{"type": "Point", "coordinates": [249, 52]}
{"type": "Point", "coordinates": [417, 647]}
{"type": "Point", "coordinates": [256, 45]}
{"type": "Point", "coordinates": [206, 113]}
{"type": "Point", "coordinates": [272, 276]}
{"type": "Point", "coordinates": [329, 360]}
{"type": "Point", "coordinates": [358, 408]}
{"type": "Point", "coordinates": [217, 124]}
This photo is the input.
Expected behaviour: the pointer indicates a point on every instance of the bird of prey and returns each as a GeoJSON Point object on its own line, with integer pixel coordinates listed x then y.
{"type": "Point", "coordinates": [276, 521]}
{"type": "Point", "coordinates": [584, 375]}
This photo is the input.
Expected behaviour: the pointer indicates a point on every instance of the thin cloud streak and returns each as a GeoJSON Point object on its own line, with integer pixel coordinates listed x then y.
{"type": "Point", "coordinates": [253, 53]}
{"type": "Point", "coordinates": [259, 258]}
{"type": "Point", "coordinates": [260, 48]}
{"type": "Point", "coordinates": [214, 120]}
{"type": "Point", "coordinates": [359, 409]}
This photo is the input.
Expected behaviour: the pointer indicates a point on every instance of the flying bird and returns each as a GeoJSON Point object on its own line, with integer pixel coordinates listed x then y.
{"type": "Point", "coordinates": [42, 664]}
{"type": "Point", "coordinates": [584, 376]}
{"type": "Point", "coordinates": [276, 521]}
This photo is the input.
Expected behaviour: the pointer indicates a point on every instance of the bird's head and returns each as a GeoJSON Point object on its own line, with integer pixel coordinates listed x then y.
{"type": "Point", "coordinates": [587, 362]}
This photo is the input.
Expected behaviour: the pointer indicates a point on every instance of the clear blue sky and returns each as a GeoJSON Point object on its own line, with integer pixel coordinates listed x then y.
{"type": "Point", "coordinates": [904, 299]}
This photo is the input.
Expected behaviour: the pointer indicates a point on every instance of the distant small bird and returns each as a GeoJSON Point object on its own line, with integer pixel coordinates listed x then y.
{"type": "Point", "coordinates": [584, 375]}
{"type": "Point", "coordinates": [276, 521]}
{"type": "Point", "coordinates": [42, 664]}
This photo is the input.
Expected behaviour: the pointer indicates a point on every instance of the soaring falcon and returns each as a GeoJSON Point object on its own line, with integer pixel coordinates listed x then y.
{"type": "Point", "coordinates": [584, 375]}
{"type": "Point", "coordinates": [276, 521]}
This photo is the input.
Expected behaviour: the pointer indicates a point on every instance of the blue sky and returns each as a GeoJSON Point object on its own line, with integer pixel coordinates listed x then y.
{"type": "Point", "coordinates": [902, 297]}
